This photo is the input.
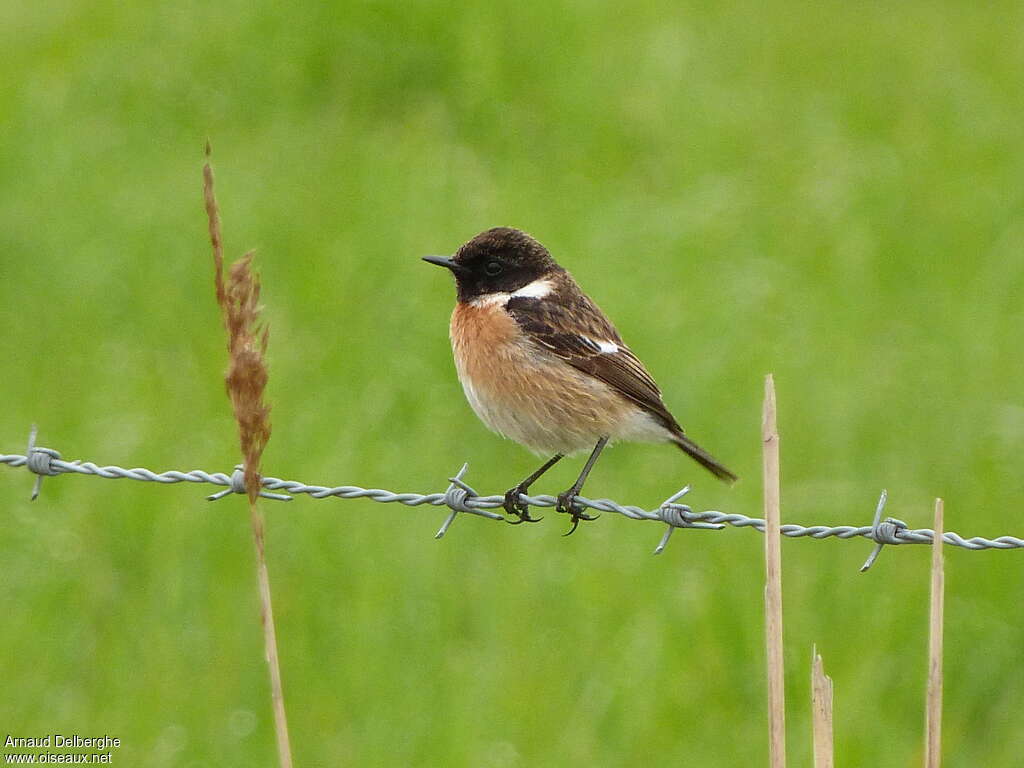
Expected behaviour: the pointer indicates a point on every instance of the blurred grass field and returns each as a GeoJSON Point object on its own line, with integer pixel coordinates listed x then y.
{"type": "Point", "coordinates": [832, 192]}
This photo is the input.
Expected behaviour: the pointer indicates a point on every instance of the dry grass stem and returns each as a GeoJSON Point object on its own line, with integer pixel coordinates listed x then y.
{"type": "Point", "coordinates": [821, 712]}
{"type": "Point", "coordinates": [933, 717]}
{"type": "Point", "coordinates": [246, 380]}
{"type": "Point", "coordinates": [773, 579]}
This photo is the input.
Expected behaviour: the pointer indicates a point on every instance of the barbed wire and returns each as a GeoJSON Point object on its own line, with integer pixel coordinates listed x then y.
{"type": "Point", "coordinates": [460, 497]}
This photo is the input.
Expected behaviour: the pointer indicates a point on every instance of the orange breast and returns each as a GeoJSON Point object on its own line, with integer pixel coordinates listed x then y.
{"type": "Point", "coordinates": [489, 324]}
{"type": "Point", "coordinates": [484, 342]}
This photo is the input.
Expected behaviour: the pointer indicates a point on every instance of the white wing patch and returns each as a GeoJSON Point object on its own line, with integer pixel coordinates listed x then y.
{"type": "Point", "coordinates": [604, 347]}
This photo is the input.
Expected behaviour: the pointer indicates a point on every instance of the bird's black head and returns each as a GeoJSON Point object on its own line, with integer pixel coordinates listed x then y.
{"type": "Point", "coordinates": [500, 260]}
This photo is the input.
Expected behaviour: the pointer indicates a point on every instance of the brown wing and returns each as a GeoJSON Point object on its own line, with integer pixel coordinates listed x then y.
{"type": "Point", "coordinates": [571, 325]}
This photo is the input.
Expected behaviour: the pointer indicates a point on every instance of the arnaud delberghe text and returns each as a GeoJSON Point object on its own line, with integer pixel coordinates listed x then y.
{"type": "Point", "coordinates": [58, 741]}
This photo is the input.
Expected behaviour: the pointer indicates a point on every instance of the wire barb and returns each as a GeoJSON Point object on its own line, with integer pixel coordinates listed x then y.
{"type": "Point", "coordinates": [460, 497]}
{"type": "Point", "coordinates": [883, 531]}
{"type": "Point", "coordinates": [236, 484]}
{"type": "Point", "coordinates": [39, 461]}
{"type": "Point", "coordinates": [455, 497]}
{"type": "Point", "coordinates": [675, 516]}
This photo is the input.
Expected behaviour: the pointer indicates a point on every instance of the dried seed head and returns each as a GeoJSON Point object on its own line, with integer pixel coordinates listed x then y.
{"type": "Point", "coordinates": [247, 374]}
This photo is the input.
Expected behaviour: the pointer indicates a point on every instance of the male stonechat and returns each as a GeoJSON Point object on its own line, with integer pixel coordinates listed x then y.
{"type": "Point", "coordinates": [542, 365]}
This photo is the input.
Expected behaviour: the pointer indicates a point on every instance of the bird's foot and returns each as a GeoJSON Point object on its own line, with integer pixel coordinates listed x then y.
{"type": "Point", "coordinates": [567, 504]}
{"type": "Point", "coordinates": [518, 508]}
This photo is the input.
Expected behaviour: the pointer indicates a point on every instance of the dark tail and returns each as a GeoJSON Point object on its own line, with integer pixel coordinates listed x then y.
{"type": "Point", "coordinates": [703, 458]}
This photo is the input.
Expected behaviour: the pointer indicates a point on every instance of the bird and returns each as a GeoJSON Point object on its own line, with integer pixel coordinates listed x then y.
{"type": "Point", "coordinates": [541, 364]}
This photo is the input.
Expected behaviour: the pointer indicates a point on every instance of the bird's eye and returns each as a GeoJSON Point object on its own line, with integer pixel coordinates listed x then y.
{"type": "Point", "coordinates": [493, 268]}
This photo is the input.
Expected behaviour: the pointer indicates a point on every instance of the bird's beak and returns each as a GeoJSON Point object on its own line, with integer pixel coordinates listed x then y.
{"type": "Point", "coordinates": [443, 261]}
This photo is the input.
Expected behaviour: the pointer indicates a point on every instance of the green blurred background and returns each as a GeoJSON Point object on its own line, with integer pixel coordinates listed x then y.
{"type": "Point", "coordinates": [829, 191]}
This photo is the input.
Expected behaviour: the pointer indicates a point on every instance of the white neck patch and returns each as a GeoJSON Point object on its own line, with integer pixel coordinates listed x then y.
{"type": "Point", "coordinates": [538, 289]}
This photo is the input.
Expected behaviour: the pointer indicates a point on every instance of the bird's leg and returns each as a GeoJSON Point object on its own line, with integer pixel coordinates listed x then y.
{"type": "Point", "coordinates": [520, 509]}
{"type": "Point", "coordinates": [567, 500]}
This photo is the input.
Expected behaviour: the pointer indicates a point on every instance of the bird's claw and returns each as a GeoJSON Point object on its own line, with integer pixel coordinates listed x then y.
{"type": "Point", "coordinates": [567, 504]}
{"type": "Point", "coordinates": [517, 508]}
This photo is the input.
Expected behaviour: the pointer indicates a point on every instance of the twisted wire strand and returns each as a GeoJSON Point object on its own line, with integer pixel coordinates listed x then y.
{"type": "Point", "coordinates": [461, 498]}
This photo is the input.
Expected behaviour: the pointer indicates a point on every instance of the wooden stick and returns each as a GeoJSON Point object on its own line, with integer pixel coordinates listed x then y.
{"type": "Point", "coordinates": [821, 711]}
{"type": "Point", "coordinates": [773, 586]}
{"type": "Point", "coordinates": [933, 721]}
